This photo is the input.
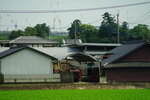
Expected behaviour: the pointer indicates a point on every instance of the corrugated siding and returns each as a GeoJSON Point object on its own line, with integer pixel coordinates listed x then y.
{"type": "Point", "coordinates": [26, 62]}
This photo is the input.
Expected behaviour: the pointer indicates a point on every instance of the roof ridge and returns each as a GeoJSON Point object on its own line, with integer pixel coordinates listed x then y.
{"type": "Point", "coordinates": [136, 41]}
{"type": "Point", "coordinates": [15, 39]}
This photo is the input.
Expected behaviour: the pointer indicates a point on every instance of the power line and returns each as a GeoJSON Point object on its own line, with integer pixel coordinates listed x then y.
{"type": "Point", "coordinates": [142, 18]}
{"type": "Point", "coordinates": [94, 21]}
{"type": "Point", "coordinates": [71, 10]}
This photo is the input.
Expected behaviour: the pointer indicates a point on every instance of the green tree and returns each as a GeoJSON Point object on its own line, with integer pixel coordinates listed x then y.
{"type": "Point", "coordinates": [108, 28]}
{"type": "Point", "coordinates": [15, 33]}
{"type": "Point", "coordinates": [140, 32]}
{"type": "Point", "coordinates": [30, 31]}
{"type": "Point", "coordinates": [88, 33]}
{"type": "Point", "coordinates": [124, 31]}
{"type": "Point", "coordinates": [42, 30]}
{"type": "Point", "coordinates": [75, 29]}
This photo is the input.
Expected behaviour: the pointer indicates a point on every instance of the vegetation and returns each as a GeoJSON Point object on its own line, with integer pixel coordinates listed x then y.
{"type": "Point", "coordinates": [128, 94]}
{"type": "Point", "coordinates": [107, 32]}
{"type": "Point", "coordinates": [41, 30]}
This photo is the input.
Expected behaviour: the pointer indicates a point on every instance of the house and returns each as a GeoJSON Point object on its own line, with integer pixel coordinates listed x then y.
{"type": "Point", "coordinates": [26, 64]}
{"type": "Point", "coordinates": [129, 62]}
{"type": "Point", "coordinates": [32, 41]}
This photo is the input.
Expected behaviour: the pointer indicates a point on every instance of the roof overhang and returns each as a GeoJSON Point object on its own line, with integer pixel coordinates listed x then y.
{"type": "Point", "coordinates": [82, 57]}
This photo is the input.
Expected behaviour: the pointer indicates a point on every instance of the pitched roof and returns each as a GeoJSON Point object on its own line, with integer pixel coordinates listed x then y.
{"type": "Point", "coordinates": [14, 50]}
{"type": "Point", "coordinates": [30, 40]}
{"type": "Point", "coordinates": [62, 52]}
{"type": "Point", "coordinates": [58, 52]}
{"type": "Point", "coordinates": [121, 51]}
{"type": "Point", "coordinates": [82, 57]}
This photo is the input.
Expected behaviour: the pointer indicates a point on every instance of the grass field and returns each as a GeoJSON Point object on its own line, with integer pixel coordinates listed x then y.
{"type": "Point", "coordinates": [127, 94]}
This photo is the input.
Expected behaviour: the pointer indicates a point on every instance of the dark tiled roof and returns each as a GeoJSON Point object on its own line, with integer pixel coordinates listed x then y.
{"type": "Point", "coordinates": [128, 64]}
{"type": "Point", "coordinates": [9, 51]}
{"type": "Point", "coordinates": [30, 40]}
{"type": "Point", "coordinates": [121, 51]}
{"type": "Point", "coordinates": [14, 50]}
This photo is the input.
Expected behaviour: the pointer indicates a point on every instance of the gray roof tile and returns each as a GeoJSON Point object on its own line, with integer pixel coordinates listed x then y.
{"type": "Point", "coordinates": [30, 40]}
{"type": "Point", "coordinates": [121, 51]}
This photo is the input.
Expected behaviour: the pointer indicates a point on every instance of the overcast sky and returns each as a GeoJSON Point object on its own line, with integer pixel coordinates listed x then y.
{"type": "Point", "coordinates": [61, 21]}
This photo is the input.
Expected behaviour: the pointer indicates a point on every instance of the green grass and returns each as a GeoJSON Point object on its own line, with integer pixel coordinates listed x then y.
{"type": "Point", "coordinates": [137, 94]}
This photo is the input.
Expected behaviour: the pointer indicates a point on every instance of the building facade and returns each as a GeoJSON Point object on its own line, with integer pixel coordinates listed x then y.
{"type": "Point", "coordinates": [128, 63]}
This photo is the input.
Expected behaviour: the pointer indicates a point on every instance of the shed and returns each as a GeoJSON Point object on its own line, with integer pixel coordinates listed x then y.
{"type": "Point", "coordinates": [26, 64]}
{"type": "Point", "coordinates": [129, 62]}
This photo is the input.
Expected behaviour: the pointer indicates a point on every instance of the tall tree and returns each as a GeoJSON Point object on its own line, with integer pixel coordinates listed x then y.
{"type": "Point", "coordinates": [108, 28]}
{"type": "Point", "coordinates": [15, 33]}
{"type": "Point", "coordinates": [75, 29]}
{"type": "Point", "coordinates": [124, 31]}
{"type": "Point", "coordinates": [42, 30]}
{"type": "Point", "coordinates": [30, 31]}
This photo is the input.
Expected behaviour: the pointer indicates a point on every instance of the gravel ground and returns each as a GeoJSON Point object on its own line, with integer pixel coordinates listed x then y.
{"type": "Point", "coordinates": [78, 85]}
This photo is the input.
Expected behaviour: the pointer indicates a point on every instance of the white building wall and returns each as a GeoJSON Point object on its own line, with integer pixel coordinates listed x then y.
{"type": "Point", "coordinates": [26, 62]}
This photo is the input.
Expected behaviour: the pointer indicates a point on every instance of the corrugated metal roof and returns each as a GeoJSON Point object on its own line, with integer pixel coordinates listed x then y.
{"type": "Point", "coordinates": [128, 64]}
{"type": "Point", "coordinates": [62, 52]}
{"type": "Point", "coordinates": [58, 52]}
{"type": "Point", "coordinates": [95, 44]}
{"type": "Point", "coordinates": [82, 57]}
{"type": "Point", "coordinates": [30, 40]}
{"type": "Point", "coordinates": [99, 44]}
{"type": "Point", "coordinates": [121, 51]}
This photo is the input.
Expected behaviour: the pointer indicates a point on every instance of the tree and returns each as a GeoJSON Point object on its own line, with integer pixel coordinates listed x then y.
{"type": "Point", "coordinates": [75, 29]}
{"type": "Point", "coordinates": [30, 31]}
{"type": "Point", "coordinates": [42, 30]}
{"type": "Point", "coordinates": [88, 33]}
{"type": "Point", "coordinates": [15, 33]}
{"type": "Point", "coordinates": [108, 28]}
{"type": "Point", "coordinates": [124, 31]}
{"type": "Point", "coordinates": [140, 32]}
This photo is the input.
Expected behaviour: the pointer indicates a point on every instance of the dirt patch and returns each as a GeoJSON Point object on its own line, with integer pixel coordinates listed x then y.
{"type": "Point", "coordinates": [79, 85]}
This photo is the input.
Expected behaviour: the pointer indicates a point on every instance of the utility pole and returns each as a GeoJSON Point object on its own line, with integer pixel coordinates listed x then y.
{"type": "Point", "coordinates": [118, 37]}
{"type": "Point", "coordinates": [75, 34]}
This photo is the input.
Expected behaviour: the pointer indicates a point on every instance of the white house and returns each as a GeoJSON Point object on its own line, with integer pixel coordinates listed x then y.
{"type": "Point", "coordinates": [26, 64]}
